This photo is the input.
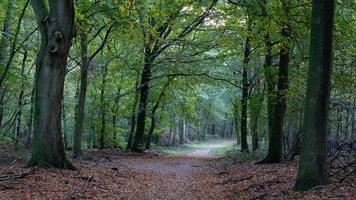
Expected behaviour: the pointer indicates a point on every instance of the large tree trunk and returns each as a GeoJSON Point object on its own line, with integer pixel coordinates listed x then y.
{"type": "Point", "coordinates": [80, 112]}
{"type": "Point", "coordinates": [138, 144]}
{"type": "Point", "coordinates": [244, 100]}
{"type": "Point", "coordinates": [57, 27]}
{"type": "Point", "coordinates": [312, 169]}
{"type": "Point", "coordinates": [271, 85]}
{"type": "Point", "coordinates": [275, 152]}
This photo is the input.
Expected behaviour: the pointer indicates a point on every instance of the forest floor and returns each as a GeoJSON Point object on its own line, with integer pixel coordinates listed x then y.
{"type": "Point", "coordinates": [196, 172]}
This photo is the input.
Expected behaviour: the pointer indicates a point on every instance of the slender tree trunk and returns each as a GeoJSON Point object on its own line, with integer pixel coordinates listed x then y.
{"type": "Point", "coordinates": [353, 121]}
{"type": "Point", "coordinates": [30, 120]}
{"type": "Point", "coordinates": [312, 169]}
{"type": "Point", "coordinates": [133, 119]}
{"type": "Point", "coordinates": [103, 109]}
{"type": "Point", "coordinates": [138, 144]}
{"type": "Point", "coordinates": [244, 100]}
{"type": "Point", "coordinates": [181, 132]}
{"type": "Point", "coordinates": [6, 33]}
{"type": "Point", "coordinates": [20, 103]}
{"type": "Point", "coordinates": [151, 131]}
{"type": "Point", "coordinates": [2, 105]}
{"type": "Point", "coordinates": [5, 65]}
{"type": "Point", "coordinates": [114, 117]}
{"type": "Point", "coordinates": [80, 112]}
{"type": "Point", "coordinates": [57, 27]}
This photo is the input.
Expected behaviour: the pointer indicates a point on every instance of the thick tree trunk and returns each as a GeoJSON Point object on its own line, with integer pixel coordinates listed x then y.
{"type": "Point", "coordinates": [312, 169]}
{"type": "Point", "coordinates": [80, 112]}
{"type": "Point", "coordinates": [244, 100]}
{"type": "Point", "coordinates": [275, 151]}
{"type": "Point", "coordinates": [271, 85]}
{"type": "Point", "coordinates": [57, 27]}
{"type": "Point", "coordinates": [138, 144]}
{"type": "Point", "coordinates": [103, 109]}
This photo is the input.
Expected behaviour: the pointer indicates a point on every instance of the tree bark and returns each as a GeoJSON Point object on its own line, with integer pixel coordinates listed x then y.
{"type": "Point", "coordinates": [103, 109]}
{"type": "Point", "coordinates": [312, 169]}
{"type": "Point", "coordinates": [244, 100]}
{"type": "Point", "coordinates": [80, 112]}
{"type": "Point", "coordinates": [275, 151]}
{"type": "Point", "coordinates": [133, 117]}
{"type": "Point", "coordinates": [20, 103]}
{"type": "Point", "coordinates": [56, 24]}
{"type": "Point", "coordinates": [114, 117]}
{"type": "Point", "coordinates": [138, 144]}
{"type": "Point", "coordinates": [6, 32]}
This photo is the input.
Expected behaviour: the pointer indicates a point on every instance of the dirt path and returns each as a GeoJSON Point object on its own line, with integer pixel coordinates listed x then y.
{"type": "Point", "coordinates": [186, 176]}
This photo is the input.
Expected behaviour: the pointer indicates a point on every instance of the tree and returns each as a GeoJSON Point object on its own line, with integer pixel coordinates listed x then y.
{"type": "Point", "coordinates": [312, 169]}
{"type": "Point", "coordinates": [275, 152]}
{"type": "Point", "coordinates": [155, 43]}
{"type": "Point", "coordinates": [56, 24]}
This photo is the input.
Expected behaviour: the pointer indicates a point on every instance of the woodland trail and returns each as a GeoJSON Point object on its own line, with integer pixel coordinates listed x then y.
{"type": "Point", "coordinates": [195, 174]}
{"type": "Point", "coordinates": [184, 176]}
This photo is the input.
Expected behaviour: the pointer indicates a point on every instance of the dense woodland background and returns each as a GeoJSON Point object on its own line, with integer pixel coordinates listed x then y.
{"type": "Point", "coordinates": [142, 74]}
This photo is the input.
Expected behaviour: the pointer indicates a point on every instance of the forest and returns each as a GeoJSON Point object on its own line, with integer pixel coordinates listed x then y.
{"type": "Point", "coordinates": [178, 99]}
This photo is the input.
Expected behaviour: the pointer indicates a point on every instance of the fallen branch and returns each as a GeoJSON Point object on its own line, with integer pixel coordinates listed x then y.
{"type": "Point", "coordinates": [15, 175]}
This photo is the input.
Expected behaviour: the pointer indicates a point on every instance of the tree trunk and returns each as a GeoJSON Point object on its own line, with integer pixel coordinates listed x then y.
{"type": "Point", "coordinates": [30, 120]}
{"type": "Point", "coordinates": [20, 103]}
{"type": "Point", "coordinates": [114, 117]}
{"type": "Point", "coordinates": [353, 121]}
{"type": "Point", "coordinates": [133, 119]}
{"type": "Point", "coordinates": [2, 104]}
{"type": "Point", "coordinates": [5, 66]}
{"type": "Point", "coordinates": [151, 131]}
{"type": "Point", "coordinates": [103, 109]}
{"type": "Point", "coordinates": [275, 151]}
{"type": "Point", "coordinates": [245, 85]}
{"type": "Point", "coordinates": [65, 127]}
{"type": "Point", "coordinates": [138, 144]}
{"type": "Point", "coordinates": [57, 27]}
{"type": "Point", "coordinates": [80, 112]}
{"type": "Point", "coordinates": [6, 33]}
{"type": "Point", "coordinates": [312, 169]}
{"type": "Point", "coordinates": [271, 85]}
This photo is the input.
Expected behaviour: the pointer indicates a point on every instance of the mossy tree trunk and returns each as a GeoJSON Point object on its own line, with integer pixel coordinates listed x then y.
{"type": "Point", "coordinates": [80, 112]}
{"type": "Point", "coordinates": [244, 100]}
{"type": "Point", "coordinates": [275, 145]}
{"type": "Point", "coordinates": [312, 169]}
{"type": "Point", "coordinates": [56, 24]}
